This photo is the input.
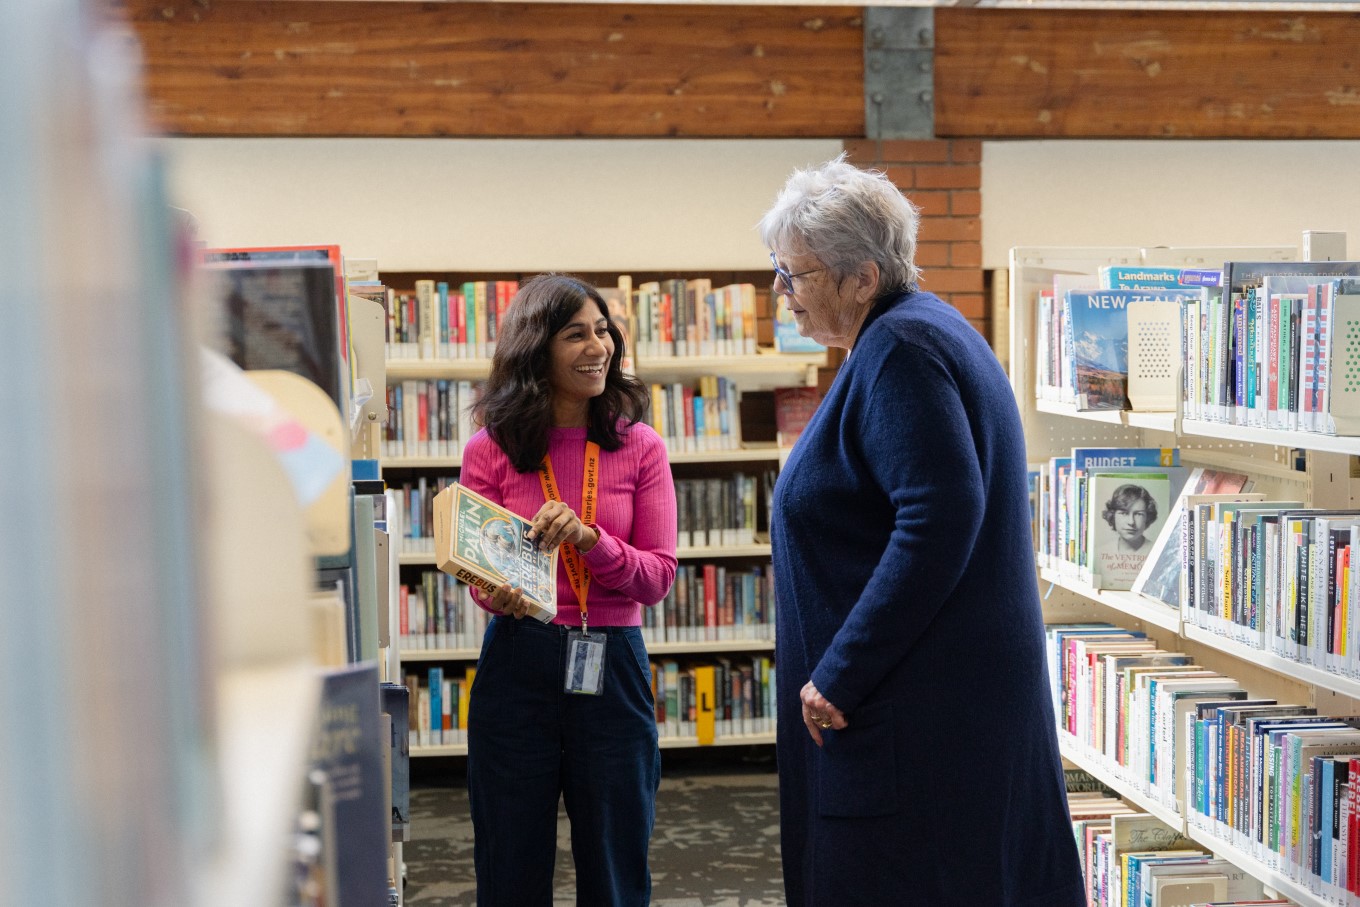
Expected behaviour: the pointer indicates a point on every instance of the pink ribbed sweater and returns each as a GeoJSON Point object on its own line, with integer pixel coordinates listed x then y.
{"type": "Point", "coordinates": [633, 564]}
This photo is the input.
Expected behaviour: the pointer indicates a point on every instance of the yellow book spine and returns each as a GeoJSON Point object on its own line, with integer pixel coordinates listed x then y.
{"type": "Point", "coordinates": [704, 705]}
{"type": "Point", "coordinates": [465, 696]}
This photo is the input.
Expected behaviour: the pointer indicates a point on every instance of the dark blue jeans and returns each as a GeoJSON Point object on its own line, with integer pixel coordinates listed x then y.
{"type": "Point", "coordinates": [529, 743]}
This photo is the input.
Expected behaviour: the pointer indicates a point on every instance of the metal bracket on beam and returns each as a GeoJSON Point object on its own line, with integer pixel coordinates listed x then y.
{"type": "Point", "coordinates": [899, 72]}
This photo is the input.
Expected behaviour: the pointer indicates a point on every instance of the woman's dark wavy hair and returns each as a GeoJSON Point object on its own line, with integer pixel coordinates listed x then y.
{"type": "Point", "coordinates": [516, 407]}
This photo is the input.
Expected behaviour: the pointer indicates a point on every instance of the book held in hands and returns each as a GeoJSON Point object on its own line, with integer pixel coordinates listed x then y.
{"type": "Point", "coordinates": [484, 545]}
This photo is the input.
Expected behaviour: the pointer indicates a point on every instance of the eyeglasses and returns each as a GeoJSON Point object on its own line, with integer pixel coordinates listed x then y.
{"type": "Point", "coordinates": [782, 275]}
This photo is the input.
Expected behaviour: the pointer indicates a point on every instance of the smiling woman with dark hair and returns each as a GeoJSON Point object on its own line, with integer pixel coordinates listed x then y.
{"type": "Point", "coordinates": [565, 709]}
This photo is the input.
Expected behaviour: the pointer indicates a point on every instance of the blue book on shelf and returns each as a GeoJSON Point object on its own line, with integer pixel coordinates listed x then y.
{"type": "Point", "coordinates": [1136, 277]}
{"type": "Point", "coordinates": [786, 336]}
{"type": "Point", "coordinates": [347, 748]}
{"type": "Point", "coordinates": [1085, 458]}
{"type": "Point", "coordinates": [396, 703]}
{"type": "Point", "coordinates": [436, 681]}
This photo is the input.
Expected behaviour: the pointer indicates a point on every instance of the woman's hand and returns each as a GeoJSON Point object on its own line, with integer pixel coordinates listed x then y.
{"type": "Point", "coordinates": [557, 524]}
{"type": "Point", "coordinates": [819, 714]}
{"type": "Point", "coordinates": [508, 599]}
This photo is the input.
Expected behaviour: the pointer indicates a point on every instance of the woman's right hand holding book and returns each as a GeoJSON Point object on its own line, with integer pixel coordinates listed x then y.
{"type": "Point", "coordinates": [508, 599]}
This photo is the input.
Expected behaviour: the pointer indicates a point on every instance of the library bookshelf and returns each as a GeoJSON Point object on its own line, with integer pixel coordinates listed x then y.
{"type": "Point", "coordinates": [761, 370]}
{"type": "Point", "coordinates": [1285, 465]}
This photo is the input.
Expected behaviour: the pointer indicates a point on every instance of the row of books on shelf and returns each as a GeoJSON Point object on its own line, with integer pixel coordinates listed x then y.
{"type": "Point", "coordinates": [1132, 859]}
{"type": "Point", "coordinates": [707, 603]}
{"type": "Point", "coordinates": [1270, 346]}
{"type": "Point", "coordinates": [1272, 575]}
{"type": "Point", "coordinates": [439, 613]}
{"type": "Point", "coordinates": [676, 317]}
{"type": "Point", "coordinates": [1275, 576]}
{"type": "Point", "coordinates": [429, 417]}
{"type": "Point", "coordinates": [717, 512]}
{"type": "Point", "coordinates": [721, 511]}
{"type": "Point", "coordinates": [433, 417]}
{"type": "Point", "coordinates": [741, 691]}
{"type": "Point", "coordinates": [1270, 778]}
{"type": "Point", "coordinates": [713, 602]}
{"type": "Point", "coordinates": [692, 317]}
{"type": "Point", "coordinates": [1274, 780]}
{"type": "Point", "coordinates": [1112, 515]}
{"type": "Point", "coordinates": [704, 415]}
{"type": "Point", "coordinates": [1120, 699]}
{"type": "Point", "coordinates": [439, 320]}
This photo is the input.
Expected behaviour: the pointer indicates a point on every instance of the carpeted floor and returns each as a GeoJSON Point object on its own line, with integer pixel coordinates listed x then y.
{"type": "Point", "coordinates": [716, 842]}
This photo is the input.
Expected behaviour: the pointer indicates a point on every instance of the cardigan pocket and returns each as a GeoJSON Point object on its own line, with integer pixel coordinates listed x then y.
{"type": "Point", "coordinates": [857, 766]}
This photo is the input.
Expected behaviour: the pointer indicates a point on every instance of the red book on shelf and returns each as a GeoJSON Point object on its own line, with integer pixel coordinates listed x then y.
{"type": "Point", "coordinates": [423, 412]}
{"type": "Point", "coordinates": [691, 429]}
{"type": "Point", "coordinates": [710, 601]}
{"type": "Point", "coordinates": [793, 409]}
{"type": "Point", "coordinates": [457, 319]}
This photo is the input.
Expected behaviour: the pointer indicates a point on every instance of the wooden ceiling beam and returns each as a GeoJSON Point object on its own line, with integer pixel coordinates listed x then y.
{"type": "Point", "coordinates": [478, 69]}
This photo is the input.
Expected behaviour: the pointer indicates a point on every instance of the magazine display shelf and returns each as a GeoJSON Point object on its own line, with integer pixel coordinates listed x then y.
{"type": "Point", "coordinates": [1053, 428]}
{"type": "Point", "coordinates": [765, 369]}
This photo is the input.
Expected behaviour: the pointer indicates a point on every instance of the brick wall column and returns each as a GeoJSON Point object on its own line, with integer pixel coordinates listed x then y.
{"type": "Point", "coordinates": [944, 179]}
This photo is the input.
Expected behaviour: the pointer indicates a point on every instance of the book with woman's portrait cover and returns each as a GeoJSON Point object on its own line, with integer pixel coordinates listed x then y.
{"type": "Point", "coordinates": [482, 544]}
{"type": "Point", "coordinates": [1126, 514]}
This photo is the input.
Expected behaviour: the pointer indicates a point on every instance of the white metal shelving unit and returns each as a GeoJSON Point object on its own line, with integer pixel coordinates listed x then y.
{"type": "Point", "coordinates": [1053, 428]}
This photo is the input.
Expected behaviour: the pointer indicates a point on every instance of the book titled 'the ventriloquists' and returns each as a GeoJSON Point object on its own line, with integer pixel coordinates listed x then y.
{"type": "Point", "coordinates": [482, 544]}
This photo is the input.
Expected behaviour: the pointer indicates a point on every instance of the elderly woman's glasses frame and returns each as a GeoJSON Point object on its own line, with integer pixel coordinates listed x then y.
{"type": "Point", "coordinates": [782, 275]}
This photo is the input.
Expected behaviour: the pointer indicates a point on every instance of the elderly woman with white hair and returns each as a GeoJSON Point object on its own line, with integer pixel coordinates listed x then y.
{"type": "Point", "coordinates": [918, 754]}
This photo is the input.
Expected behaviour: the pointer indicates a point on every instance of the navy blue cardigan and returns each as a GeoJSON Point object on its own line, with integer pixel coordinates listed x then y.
{"type": "Point", "coordinates": [906, 590]}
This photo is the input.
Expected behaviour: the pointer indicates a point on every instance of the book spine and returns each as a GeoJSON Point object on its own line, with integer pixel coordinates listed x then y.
{"type": "Point", "coordinates": [443, 348]}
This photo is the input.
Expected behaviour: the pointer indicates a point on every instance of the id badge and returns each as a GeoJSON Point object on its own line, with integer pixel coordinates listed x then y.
{"type": "Point", "coordinates": [585, 663]}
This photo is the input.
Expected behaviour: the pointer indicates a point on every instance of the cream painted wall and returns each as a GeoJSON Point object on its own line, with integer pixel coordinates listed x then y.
{"type": "Point", "coordinates": [1167, 193]}
{"type": "Point", "coordinates": [456, 204]}
{"type": "Point", "coordinates": [481, 205]}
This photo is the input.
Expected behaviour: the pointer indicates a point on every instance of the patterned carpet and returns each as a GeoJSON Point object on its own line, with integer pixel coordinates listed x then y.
{"type": "Point", "coordinates": [716, 842]}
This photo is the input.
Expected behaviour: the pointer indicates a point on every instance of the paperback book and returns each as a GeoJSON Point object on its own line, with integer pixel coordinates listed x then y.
{"type": "Point", "coordinates": [484, 545]}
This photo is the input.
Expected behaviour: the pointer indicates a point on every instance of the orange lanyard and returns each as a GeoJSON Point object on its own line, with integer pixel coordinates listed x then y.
{"type": "Point", "coordinates": [577, 571]}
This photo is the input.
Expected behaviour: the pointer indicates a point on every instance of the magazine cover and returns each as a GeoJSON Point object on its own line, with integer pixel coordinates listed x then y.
{"type": "Point", "coordinates": [1127, 510]}
{"type": "Point", "coordinates": [484, 545]}
{"type": "Point", "coordinates": [1100, 342]}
